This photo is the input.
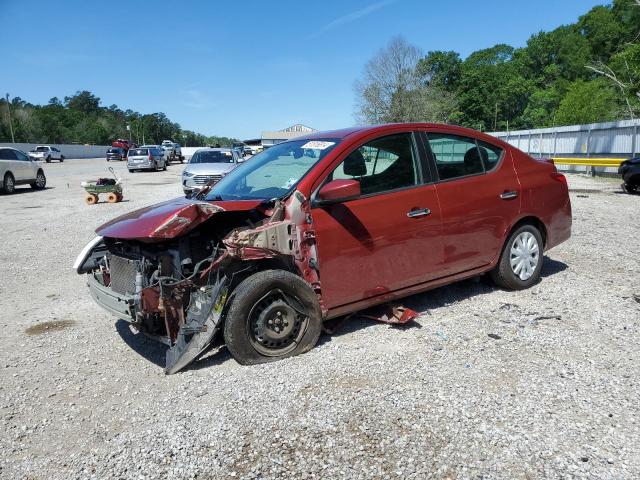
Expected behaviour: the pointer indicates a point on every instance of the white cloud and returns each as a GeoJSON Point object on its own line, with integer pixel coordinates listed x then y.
{"type": "Point", "coordinates": [353, 16]}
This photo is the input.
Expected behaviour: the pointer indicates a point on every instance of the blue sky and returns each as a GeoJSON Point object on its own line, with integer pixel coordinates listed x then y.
{"type": "Point", "coordinates": [237, 68]}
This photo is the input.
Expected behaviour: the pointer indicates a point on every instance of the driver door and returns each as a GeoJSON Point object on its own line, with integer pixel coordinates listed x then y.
{"type": "Point", "coordinates": [388, 238]}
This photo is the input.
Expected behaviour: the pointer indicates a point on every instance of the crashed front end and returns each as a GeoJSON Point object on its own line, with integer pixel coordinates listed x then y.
{"type": "Point", "coordinates": [169, 269]}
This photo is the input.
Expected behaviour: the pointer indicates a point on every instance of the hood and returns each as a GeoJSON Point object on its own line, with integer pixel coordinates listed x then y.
{"type": "Point", "coordinates": [169, 219]}
{"type": "Point", "coordinates": [210, 168]}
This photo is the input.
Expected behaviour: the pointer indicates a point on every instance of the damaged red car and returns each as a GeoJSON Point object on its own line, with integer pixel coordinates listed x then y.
{"type": "Point", "coordinates": [322, 226]}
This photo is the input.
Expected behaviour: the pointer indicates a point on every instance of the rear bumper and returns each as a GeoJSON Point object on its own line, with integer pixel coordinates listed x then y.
{"type": "Point", "coordinates": [119, 305]}
{"type": "Point", "coordinates": [140, 166]}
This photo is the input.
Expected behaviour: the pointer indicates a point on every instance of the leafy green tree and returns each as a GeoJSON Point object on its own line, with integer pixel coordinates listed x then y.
{"type": "Point", "coordinates": [587, 102]}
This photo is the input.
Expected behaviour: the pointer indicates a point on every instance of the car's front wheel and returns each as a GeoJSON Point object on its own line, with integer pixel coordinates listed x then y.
{"type": "Point", "coordinates": [521, 259]}
{"type": "Point", "coordinates": [272, 315]}
{"type": "Point", "coordinates": [48, 160]}
{"type": "Point", "coordinates": [41, 181]}
{"type": "Point", "coordinates": [9, 183]}
{"type": "Point", "coordinates": [61, 158]}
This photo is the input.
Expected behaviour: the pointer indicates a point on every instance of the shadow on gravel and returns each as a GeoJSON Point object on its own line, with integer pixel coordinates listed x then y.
{"type": "Point", "coordinates": [20, 190]}
{"type": "Point", "coordinates": [437, 298]}
{"type": "Point", "coordinates": [150, 349]}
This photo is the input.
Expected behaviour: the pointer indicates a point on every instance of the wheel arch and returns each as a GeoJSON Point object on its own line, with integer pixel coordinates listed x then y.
{"type": "Point", "coordinates": [530, 220]}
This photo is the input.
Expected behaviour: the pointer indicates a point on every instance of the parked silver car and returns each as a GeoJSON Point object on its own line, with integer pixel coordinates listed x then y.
{"type": "Point", "coordinates": [16, 168]}
{"type": "Point", "coordinates": [146, 158]}
{"type": "Point", "coordinates": [208, 166]}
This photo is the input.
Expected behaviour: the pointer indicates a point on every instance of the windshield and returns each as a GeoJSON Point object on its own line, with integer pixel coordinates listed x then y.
{"type": "Point", "coordinates": [212, 156]}
{"type": "Point", "coordinates": [272, 173]}
{"type": "Point", "coordinates": [41, 149]}
{"type": "Point", "coordinates": [138, 152]}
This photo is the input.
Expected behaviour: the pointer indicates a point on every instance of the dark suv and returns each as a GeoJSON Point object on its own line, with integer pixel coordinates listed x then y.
{"type": "Point", "coordinates": [116, 153]}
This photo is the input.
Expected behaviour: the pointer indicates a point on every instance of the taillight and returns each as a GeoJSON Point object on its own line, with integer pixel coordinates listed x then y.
{"type": "Point", "coordinates": [560, 178]}
{"type": "Point", "coordinates": [150, 157]}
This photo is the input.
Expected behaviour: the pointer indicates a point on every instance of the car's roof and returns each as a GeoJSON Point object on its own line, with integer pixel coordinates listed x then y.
{"type": "Point", "coordinates": [214, 149]}
{"type": "Point", "coordinates": [345, 132]}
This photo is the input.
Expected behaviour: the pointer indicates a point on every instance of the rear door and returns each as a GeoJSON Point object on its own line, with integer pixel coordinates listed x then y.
{"type": "Point", "coordinates": [479, 196]}
{"type": "Point", "coordinates": [389, 237]}
{"type": "Point", "coordinates": [16, 165]}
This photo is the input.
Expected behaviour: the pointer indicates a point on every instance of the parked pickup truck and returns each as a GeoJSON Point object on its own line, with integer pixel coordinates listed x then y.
{"type": "Point", "coordinates": [173, 151]}
{"type": "Point", "coordinates": [46, 153]}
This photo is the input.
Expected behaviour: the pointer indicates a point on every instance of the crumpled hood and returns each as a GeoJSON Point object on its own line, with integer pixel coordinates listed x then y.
{"type": "Point", "coordinates": [167, 220]}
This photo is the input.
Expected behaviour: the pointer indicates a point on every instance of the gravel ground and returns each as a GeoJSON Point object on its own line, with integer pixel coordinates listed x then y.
{"type": "Point", "coordinates": [541, 383]}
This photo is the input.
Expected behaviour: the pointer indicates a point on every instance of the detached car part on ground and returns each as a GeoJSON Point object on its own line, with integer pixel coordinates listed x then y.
{"type": "Point", "coordinates": [324, 226]}
{"type": "Point", "coordinates": [630, 172]}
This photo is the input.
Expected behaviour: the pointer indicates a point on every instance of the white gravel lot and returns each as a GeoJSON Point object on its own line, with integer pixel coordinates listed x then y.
{"type": "Point", "coordinates": [541, 383]}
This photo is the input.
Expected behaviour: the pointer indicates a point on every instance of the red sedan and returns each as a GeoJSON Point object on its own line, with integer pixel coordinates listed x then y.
{"type": "Point", "coordinates": [325, 225]}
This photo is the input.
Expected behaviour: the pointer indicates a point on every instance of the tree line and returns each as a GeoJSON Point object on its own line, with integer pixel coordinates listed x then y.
{"type": "Point", "coordinates": [585, 72]}
{"type": "Point", "coordinates": [81, 119]}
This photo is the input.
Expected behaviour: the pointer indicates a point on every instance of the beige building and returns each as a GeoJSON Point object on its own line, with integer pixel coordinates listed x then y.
{"type": "Point", "coordinates": [269, 138]}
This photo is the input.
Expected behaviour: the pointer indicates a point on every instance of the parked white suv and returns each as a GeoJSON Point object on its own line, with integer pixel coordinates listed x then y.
{"type": "Point", "coordinates": [16, 168]}
{"type": "Point", "coordinates": [46, 153]}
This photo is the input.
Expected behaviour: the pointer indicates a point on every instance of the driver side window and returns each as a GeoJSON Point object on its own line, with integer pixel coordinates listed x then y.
{"type": "Point", "coordinates": [382, 165]}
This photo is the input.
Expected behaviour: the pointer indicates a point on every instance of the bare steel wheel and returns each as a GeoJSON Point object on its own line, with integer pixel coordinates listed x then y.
{"type": "Point", "coordinates": [524, 255]}
{"type": "Point", "coordinates": [271, 315]}
{"type": "Point", "coordinates": [274, 326]}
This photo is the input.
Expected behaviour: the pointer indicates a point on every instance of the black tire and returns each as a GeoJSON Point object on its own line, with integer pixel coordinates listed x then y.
{"type": "Point", "coordinates": [107, 159]}
{"type": "Point", "coordinates": [61, 158]}
{"type": "Point", "coordinates": [131, 170]}
{"type": "Point", "coordinates": [503, 274]}
{"type": "Point", "coordinates": [41, 181]}
{"type": "Point", "coordinates": [48, 160]}
{"type": "Point", "coordinates": [256, 301]}
{"type": "Point", "coordinates": [164, 167]}
{"type": "Point", "coordinates": [9, 183]}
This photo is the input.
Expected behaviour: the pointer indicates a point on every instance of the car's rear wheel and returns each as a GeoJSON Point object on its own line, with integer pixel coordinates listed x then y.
{"type": "Point", "coordinates": [272, 315]}
{"type": "Point", "coordinates": [9, 183]}
{"type": "Point", "coordinates": [41, 181]}
{"type": "Point", "coordinates": [521, 259]}
{"type": "Point", "coordinates": [164, 166]}
{"type": "Point", "coordinates": [61, 158]}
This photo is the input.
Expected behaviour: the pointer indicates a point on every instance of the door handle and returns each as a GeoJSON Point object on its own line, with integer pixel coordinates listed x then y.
{"type": "Point", "coordinates": [509, 195]}
{"type": "Point", "coordinates": [422, 212]}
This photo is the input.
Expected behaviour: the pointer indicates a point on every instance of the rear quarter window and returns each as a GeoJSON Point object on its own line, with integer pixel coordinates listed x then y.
{"type": "Point", "coordinates": [490, 155]}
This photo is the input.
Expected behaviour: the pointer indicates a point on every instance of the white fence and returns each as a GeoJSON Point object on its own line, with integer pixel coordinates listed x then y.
{"type": "Point", "coordinates": [69, 151]}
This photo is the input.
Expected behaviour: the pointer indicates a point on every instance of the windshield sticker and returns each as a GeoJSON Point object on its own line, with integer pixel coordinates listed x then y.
{"type": "Point", "coordinates": [317, 145]}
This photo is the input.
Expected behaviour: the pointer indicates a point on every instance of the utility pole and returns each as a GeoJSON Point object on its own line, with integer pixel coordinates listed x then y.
{"type": "Point", "coordinates": [143, 142]}
{"type": "Point", "coordinates": [13, 140]}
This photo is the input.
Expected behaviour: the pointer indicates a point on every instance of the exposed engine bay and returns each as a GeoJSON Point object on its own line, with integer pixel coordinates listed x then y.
{"type": "Point", "coordinates": [175, 289]}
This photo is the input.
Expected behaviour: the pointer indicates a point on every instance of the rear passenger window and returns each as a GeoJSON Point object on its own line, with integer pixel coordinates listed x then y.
{"type": "Point", "coordinates": [455, 156]}
{"type": "Point", "coordinates": [384, 164]}
{"type": "Point", "coordinates": [490, 154]}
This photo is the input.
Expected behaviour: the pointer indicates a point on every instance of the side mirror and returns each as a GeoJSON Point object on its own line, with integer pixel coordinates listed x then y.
{"type": "Point", "coordinates": [339, 190]}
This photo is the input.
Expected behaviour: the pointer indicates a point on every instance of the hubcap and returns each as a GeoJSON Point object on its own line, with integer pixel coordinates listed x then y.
{"type": "Point", "coordinates": [9, 183]}
{"type": "Point", "coordinates": [274, 327]}
{"type": "Point", "coordinates": [40, 180]}
{"type": "Point", "coordinates": [525, 255]}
